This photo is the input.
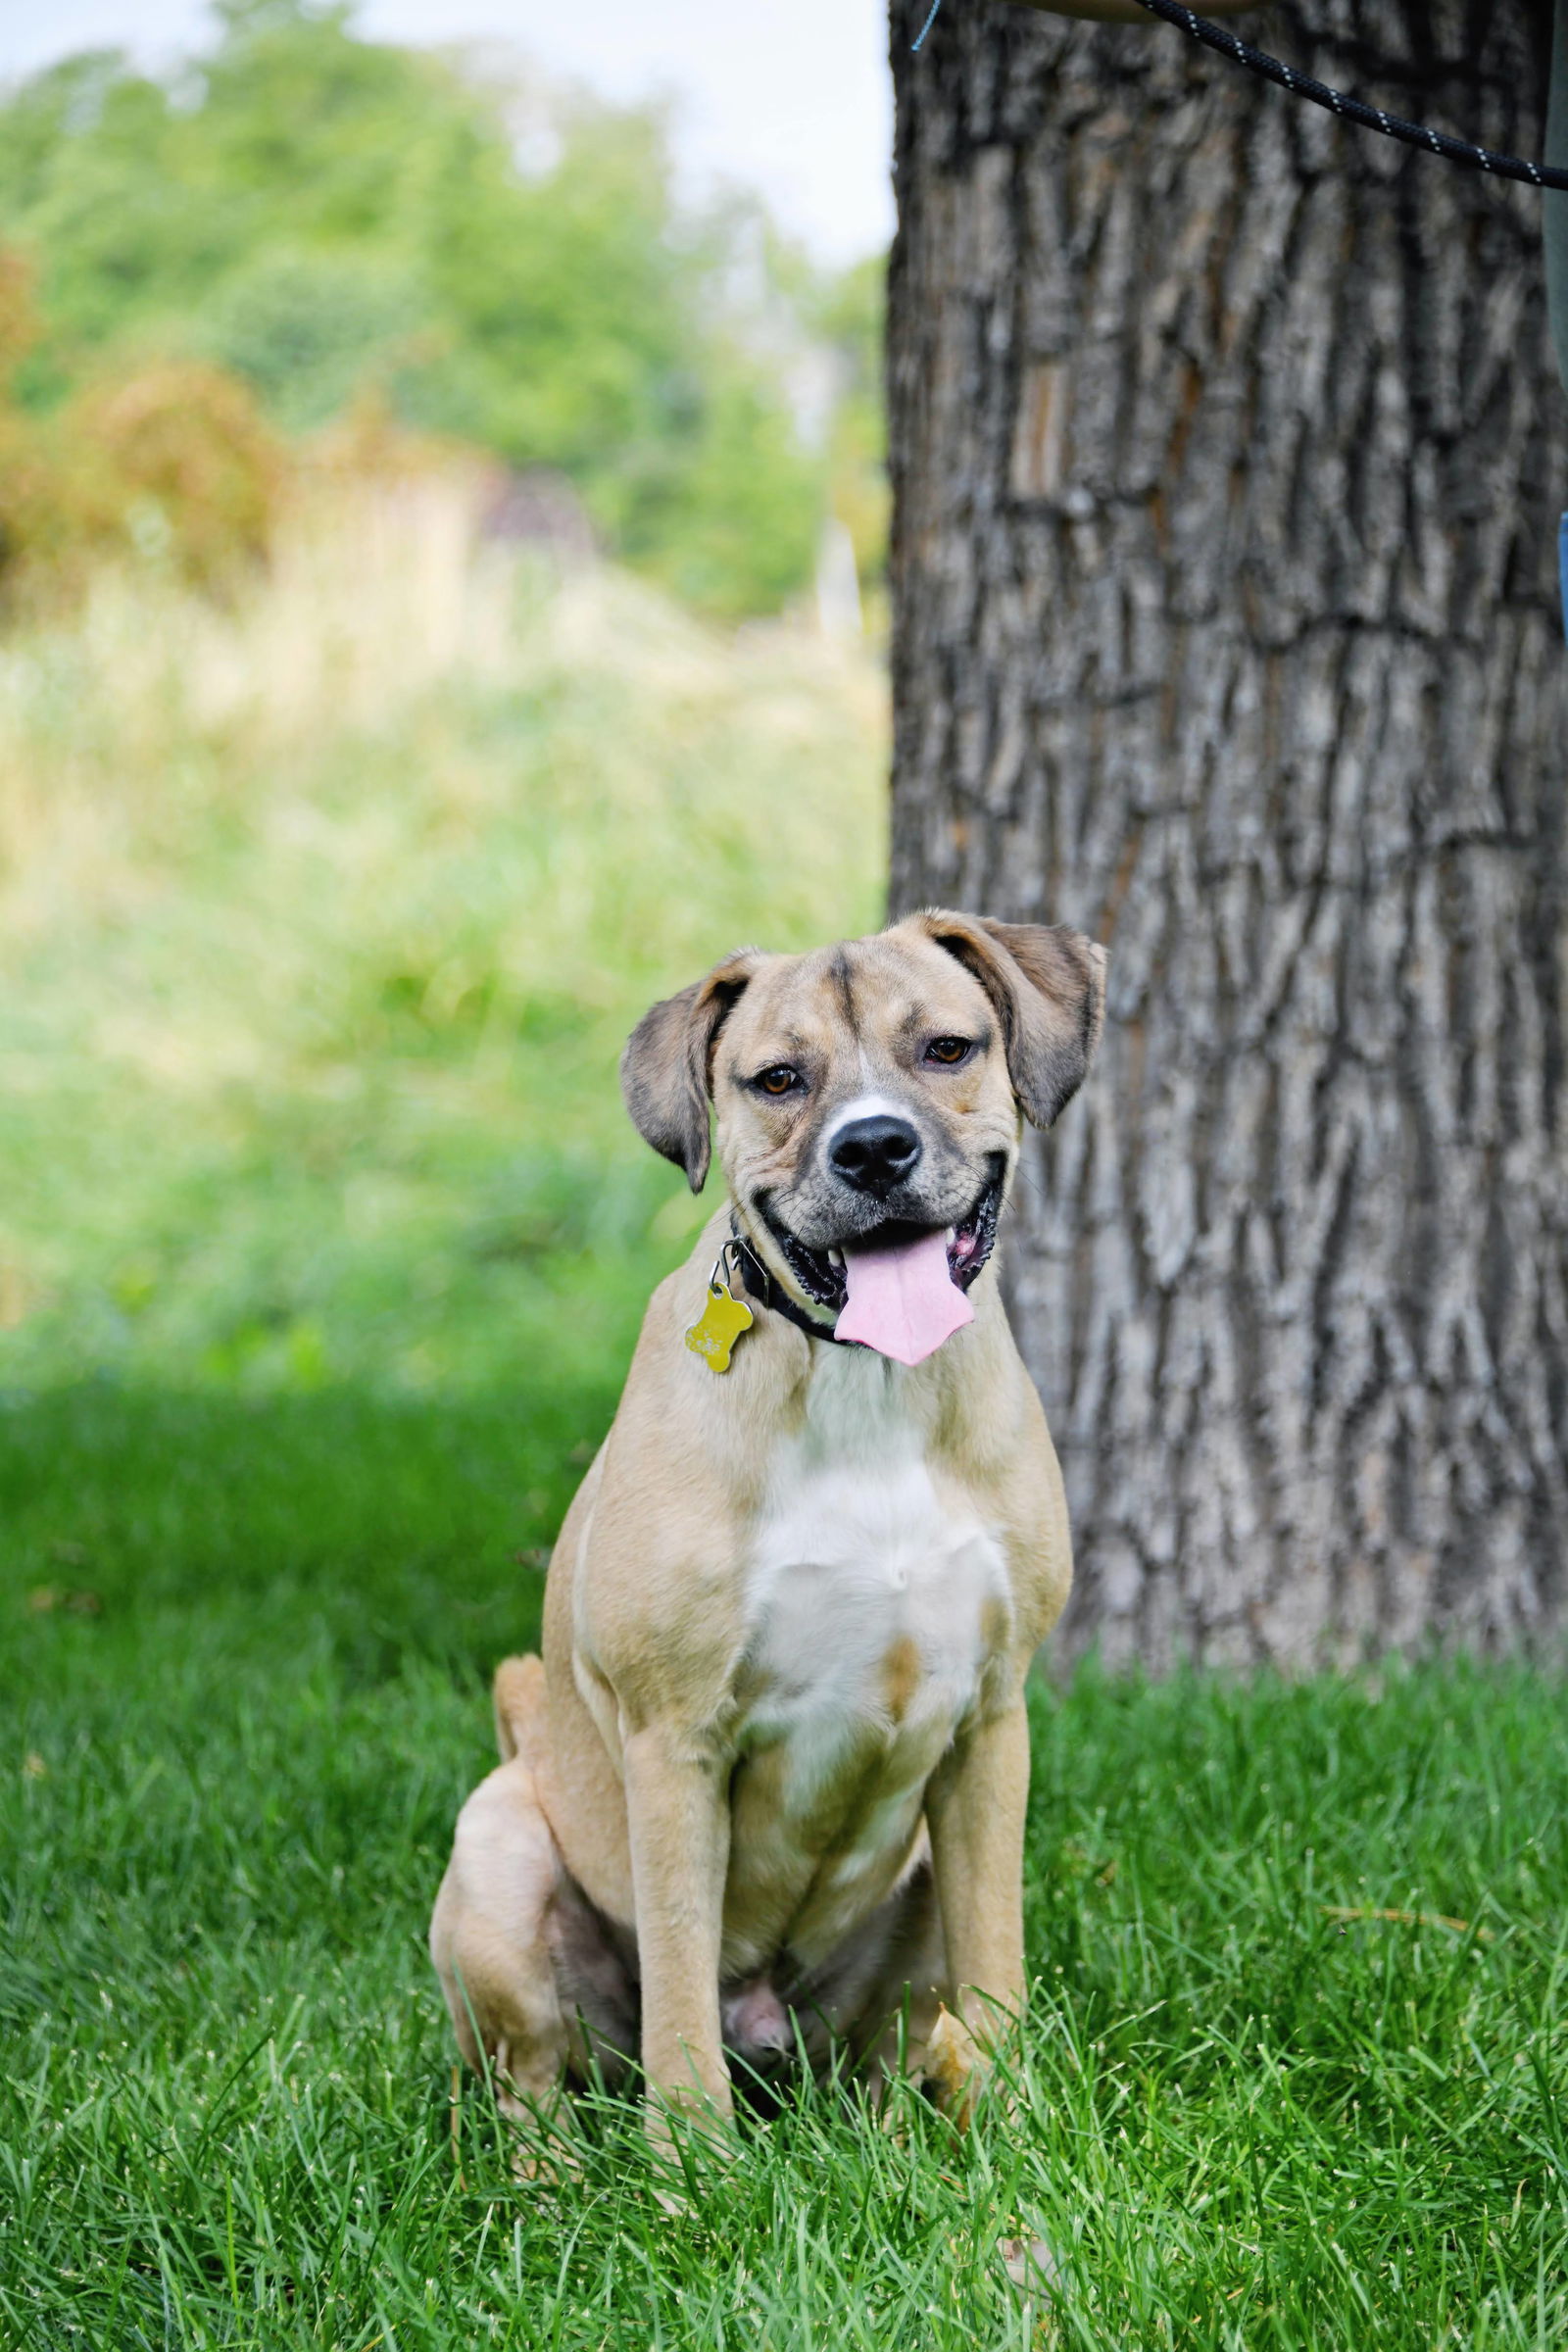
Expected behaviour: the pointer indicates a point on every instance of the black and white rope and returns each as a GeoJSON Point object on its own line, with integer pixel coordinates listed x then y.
{"type": "Point", "coordinates": [1339, 102]}
{"type": "Point", "coordinates": [1353, 110]}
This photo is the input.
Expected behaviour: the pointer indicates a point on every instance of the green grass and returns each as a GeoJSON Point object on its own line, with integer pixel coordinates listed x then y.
{"type": "Point", "coordinates": [1242, 2121]}
{"type": "Point", "coordinates": [322, 1246]}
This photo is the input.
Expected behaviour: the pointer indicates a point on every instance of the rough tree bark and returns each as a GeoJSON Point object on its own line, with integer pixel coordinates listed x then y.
{"type": "Point", "coordinates": [1226, 458]}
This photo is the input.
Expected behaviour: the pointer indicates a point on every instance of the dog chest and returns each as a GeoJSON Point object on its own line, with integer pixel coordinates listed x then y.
{"type": "Point", "coordinates": [875, 1596]}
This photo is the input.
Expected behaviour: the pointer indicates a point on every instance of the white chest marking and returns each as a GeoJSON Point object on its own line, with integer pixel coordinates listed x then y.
{"type": "Point", "coordinates": [873, 1596]}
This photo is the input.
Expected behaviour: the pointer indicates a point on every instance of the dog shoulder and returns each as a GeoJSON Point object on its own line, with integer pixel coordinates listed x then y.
{"type": "Point", "coordinates": [656, 1600]}
{"type": "Point", "coordinates": [995, 1440]}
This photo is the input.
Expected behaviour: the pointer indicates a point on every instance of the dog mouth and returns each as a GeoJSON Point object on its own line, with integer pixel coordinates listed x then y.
{"type": "Point", "coordinates": [821, 1273]}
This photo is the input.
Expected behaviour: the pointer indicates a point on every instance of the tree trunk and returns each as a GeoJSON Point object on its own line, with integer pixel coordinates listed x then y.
{"type": "Point", "coordinates": [1227, 456]}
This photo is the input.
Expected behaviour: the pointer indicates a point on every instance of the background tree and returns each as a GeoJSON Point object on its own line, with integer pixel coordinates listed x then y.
{"type": "Point", "coordinates": [1227, 459]}
{"type": "Point", "coordinates": [493, 260]}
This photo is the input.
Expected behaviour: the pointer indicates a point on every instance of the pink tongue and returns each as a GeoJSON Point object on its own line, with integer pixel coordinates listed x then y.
{"type": "Point", "coordinates": [903, 1301]}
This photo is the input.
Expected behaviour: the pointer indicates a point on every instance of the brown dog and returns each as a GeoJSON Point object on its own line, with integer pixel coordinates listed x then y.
{"type": "Point", "coordinates": [766, 1789]}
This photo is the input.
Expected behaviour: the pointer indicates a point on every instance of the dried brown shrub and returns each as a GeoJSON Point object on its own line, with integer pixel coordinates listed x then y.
{"type": "Point", "coordinates": [28, 492]}
{"type": "Point", "coordinates": [177, 463]}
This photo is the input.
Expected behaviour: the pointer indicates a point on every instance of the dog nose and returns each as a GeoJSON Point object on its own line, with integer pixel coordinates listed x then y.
{"type": "Point", "coordinates": [874, 1154]}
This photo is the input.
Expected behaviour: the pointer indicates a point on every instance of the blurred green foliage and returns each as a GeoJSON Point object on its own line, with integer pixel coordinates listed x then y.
{"type": "Point", "coordinates": [323, 916]}
{"type": "Point", "coordinates": [331, 217]}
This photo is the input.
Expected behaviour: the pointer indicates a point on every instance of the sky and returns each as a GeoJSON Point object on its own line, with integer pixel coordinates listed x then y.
{"type": "Point", "coordinates": [792, 99]}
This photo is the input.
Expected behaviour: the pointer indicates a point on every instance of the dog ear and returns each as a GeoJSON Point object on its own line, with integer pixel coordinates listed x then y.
{"type": "Point", "coordinates": [667, 1069]}
{"type": "Point", "coordinates": [1048, 984]}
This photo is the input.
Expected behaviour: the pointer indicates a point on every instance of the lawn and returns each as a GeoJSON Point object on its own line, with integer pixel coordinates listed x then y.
{"type": "Point", "coordinates": [322, 1242]}
{"type": "Point", "coordinates": [1252, 2112]}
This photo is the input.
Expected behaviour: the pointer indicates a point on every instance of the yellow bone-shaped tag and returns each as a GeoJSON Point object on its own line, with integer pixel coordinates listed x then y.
{"type": "Point", "coordinates": [718, 1326]}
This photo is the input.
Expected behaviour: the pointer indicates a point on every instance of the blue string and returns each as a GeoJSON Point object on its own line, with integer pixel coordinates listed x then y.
{"type": "Point", "coordinates": [936, 10]}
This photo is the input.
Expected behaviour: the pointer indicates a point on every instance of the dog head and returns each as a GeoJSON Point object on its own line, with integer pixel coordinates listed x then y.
{"type": "Point", "coordinates": [870, 1092]}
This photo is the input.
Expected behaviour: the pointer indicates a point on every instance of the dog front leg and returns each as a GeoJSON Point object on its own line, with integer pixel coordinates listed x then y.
{"type": "Point", "coordinates": [975, 1808]}
{"type": "Point", "coordinates": [677, 1811]}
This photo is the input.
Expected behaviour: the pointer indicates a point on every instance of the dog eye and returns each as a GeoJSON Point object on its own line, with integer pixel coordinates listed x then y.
{"type": "Point", "coordinates": [779, 1080]}
{"type": "Point", "coordinates": [949, 1051]}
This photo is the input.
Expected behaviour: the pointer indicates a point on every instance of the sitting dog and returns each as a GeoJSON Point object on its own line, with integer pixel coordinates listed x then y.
{"type": "Point", "coordinates": [765, 1793]}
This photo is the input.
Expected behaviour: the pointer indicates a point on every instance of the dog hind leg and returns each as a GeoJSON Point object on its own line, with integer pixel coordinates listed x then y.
{"type": "Point", "coordinates": [490, 1944]}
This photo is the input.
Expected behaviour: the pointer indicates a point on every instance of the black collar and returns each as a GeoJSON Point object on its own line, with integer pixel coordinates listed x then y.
{"type": "Point", "coordinates": [758, 1284]}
